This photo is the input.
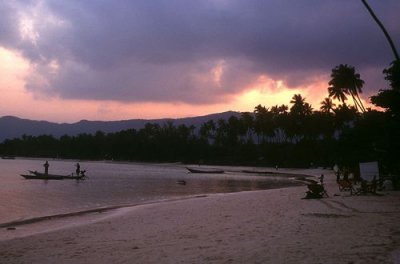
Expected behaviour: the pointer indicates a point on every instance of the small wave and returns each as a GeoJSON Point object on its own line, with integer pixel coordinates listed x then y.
{"type": "Point", "coordinates": [57, 216]}
{"type": "Point", "coordinates": [90, 211]}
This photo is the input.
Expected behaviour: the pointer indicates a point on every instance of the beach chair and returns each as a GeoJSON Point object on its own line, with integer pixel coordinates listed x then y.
{"type": "Point", "coordinates": [346, 185]}
{"type": "Point", "coordinates": [367, 187]}
{"type": "Point", "coordinates": [369, 173]}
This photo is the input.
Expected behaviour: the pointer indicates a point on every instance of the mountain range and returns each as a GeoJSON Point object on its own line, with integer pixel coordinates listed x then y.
{"type": "Point", "coordinates": [14, 127]}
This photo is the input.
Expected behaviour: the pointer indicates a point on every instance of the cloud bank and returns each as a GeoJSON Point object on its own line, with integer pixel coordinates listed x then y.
{"type": "Point", "coordinates": [195, 52]}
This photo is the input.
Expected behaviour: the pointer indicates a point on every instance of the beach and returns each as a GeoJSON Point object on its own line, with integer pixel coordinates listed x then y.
{"type": "Point", "coordinates": [268, 226]}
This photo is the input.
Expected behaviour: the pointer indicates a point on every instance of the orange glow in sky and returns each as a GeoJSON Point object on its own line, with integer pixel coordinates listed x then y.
{"type": "Point", "coordinates": [268, 93]}
{"type": "Point", "coordinates": [17, 101]}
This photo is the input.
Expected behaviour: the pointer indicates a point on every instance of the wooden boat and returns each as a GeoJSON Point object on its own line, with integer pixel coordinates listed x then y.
{"type": "Point", "coordinates": [204, 170]}
{"type": "Point", "coordinates": [8, 157]}
{"type": "Point", "coordinates": [38, 177]}
{"type": "Point", "coordinates": [34, 175]}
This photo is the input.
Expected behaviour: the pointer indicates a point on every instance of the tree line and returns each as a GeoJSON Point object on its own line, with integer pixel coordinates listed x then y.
{"type": "Point", "coordinates": [294, 135]}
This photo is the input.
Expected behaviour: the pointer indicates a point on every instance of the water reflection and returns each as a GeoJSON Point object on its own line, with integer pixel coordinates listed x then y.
{"type": "Point", "coordinates": [110, 184]}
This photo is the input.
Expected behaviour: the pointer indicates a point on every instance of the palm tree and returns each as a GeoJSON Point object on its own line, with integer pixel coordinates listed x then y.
{"type": "Point", "coordinates": [234, 130]}
{"type": "Point", "coordinates": [275, 110]}
{"type": "Point", "coordinates": [300, 113]}
{"type": "Point", "coordinates": [337, 93]}
{"type": "Point", "coordinates": [280, 121]}
{"type": "Point", "coordinates": [247, 121]}
{"type": "Point", "coordinates": [221, 133]}
{"type": "Point", "coordinates": [308, 110]}
{"type": "Point", "coordinates": [389, 39]}
{"type": "Point", "coordinates": [283, 109]}
{"type": "Point", "coordinates": [300, 107]}
{"type": "Point", "coordinates": [344, 81]}
{"type": "Point", "coordinates": [297, 99]}
{"type": "Point", "coordinates": [207, 131]}
{"type": "Point", "coordinates": [263, 123]}
{"type": "Point", "coordinates": [327, 105]}
{"type": "Point", "coordinates": [279, 109]}
{"type": "Point", "coordinates": [344, 115]}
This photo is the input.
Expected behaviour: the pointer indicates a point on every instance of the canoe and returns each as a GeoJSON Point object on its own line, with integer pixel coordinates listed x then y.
{"type": "Point", "coordinates": [8, 157]}
{"type": "Point", "coordinates": [204, 170]}
{"type": "Point", "coordinates": [34, 175]}
{"type": "Point", "coordinates": [48, 177]}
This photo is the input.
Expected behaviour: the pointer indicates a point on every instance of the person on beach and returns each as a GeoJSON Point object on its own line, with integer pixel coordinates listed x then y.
{"type": "Point", "coordinates": [321, 179]}
{"type": "Point", "coordinates": [46, 167]}
{"type": "Point", "coordinates": [78, 169]}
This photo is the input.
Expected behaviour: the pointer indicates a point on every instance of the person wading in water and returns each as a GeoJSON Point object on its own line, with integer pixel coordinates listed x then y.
{"type": "Point", "coordinates": [46, 168]}
{"type": "Point", "coordinates": [78, 169]}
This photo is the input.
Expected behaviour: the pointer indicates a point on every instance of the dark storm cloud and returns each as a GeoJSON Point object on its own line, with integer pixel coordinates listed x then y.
{"type": "Point", "coordinates": [171, 50]}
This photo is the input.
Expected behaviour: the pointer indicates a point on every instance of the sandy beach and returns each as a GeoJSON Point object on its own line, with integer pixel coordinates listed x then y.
{"type": "Point", "coordinates": [271, 226]}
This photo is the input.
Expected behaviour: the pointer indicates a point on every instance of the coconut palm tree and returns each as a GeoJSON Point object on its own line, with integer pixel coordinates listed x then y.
{"type": "Point", "coordinates": [327, 105]}
{"type": "Point", "coordinates": [308, 110]}
{"type": "Point", "coordinates": [345, 115]}
{"type": "Point", "coordinates": [300, 107]}
{"type": "Point", "coordinates": [279, 109]}
{"type": "Point", "coordinates": [263, 122]}
{"type": "Point", "coordinates": [337, 93]}
{"type": "Point", "coordinates": [344, 81]}
{"type": "Point", "coordinates": [247, 121]}
{"type": "Point", "coordinates": [208, 130]}
{"type": "Point", "coordinates": [283, 109]}
{"type": "Point", "coordinates": [297, 101]}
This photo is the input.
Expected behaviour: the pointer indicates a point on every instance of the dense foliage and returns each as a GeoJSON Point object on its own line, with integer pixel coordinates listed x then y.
{"type": "Point", "coordinates": [275, 136]}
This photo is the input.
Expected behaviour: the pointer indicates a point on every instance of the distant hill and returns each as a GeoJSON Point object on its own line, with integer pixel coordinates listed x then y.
{"type": "Point", "coordinates": [14, 127]}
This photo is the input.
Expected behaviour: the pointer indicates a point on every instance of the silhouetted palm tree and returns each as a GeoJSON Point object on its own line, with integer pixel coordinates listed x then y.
{"type": "Point", "coordinates": [221, 135]}
{"type": "Point", "coordinates": [279, 109]}
{"type": "Point", "coordinates": [261, 122]}
{"type": "Point", "coordinates": [337, 93]}
{"type": "Point", "coordinates": [234, 130]}
{"type": "Point", "coordinates": [308, 110]}
{"type": "Point", "coordinates": [344, 115]}
{"type": "Point", "coordinates": [300, 107]}
{"type": "Point", "coordinates": [247, 121]}
{"type": "Point", "coordinates": [327, 105]}
{"type": "Point", "coordinates": [283, 109]}
{"type": "Point", "coordinates": [297, 99]}
{"type": "Point", "coordinates": [208, 130]}
{"type": "Point", "coordinates": [344, 81]}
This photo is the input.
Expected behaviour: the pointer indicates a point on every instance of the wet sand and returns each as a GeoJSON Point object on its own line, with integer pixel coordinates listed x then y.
{"type": "Point", "coordinates": [271, 226]}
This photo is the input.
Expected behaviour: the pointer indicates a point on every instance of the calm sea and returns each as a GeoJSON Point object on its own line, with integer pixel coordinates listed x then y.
{"type": "Point", "coordinates": [110, 184]}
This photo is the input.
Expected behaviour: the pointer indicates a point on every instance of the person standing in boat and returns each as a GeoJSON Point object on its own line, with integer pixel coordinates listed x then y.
{"type": "Point", "coordinates": [78, 169]}
{"type": "Point", "coordinates": [46, 167]}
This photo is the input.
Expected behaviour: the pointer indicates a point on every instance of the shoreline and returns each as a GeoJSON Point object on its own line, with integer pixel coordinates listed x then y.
{"type": "Point", "coordinates": [265, 226]}
{"type": "Point", "coordinates": [106, 209]}
{"type": "Point", "coordinates": [287, 174]}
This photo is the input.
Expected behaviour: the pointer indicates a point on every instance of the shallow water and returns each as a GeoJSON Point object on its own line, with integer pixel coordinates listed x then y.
{"type": "Point", "coordinates": [110, 184]}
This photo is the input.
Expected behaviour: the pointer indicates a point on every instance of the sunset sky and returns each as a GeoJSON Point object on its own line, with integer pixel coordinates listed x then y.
{"type": "Point", "coordinates": [64, 61]}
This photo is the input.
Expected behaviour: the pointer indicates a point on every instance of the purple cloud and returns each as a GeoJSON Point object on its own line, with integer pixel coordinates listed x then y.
{"type": "Point", "coordinates": [194, 51]}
